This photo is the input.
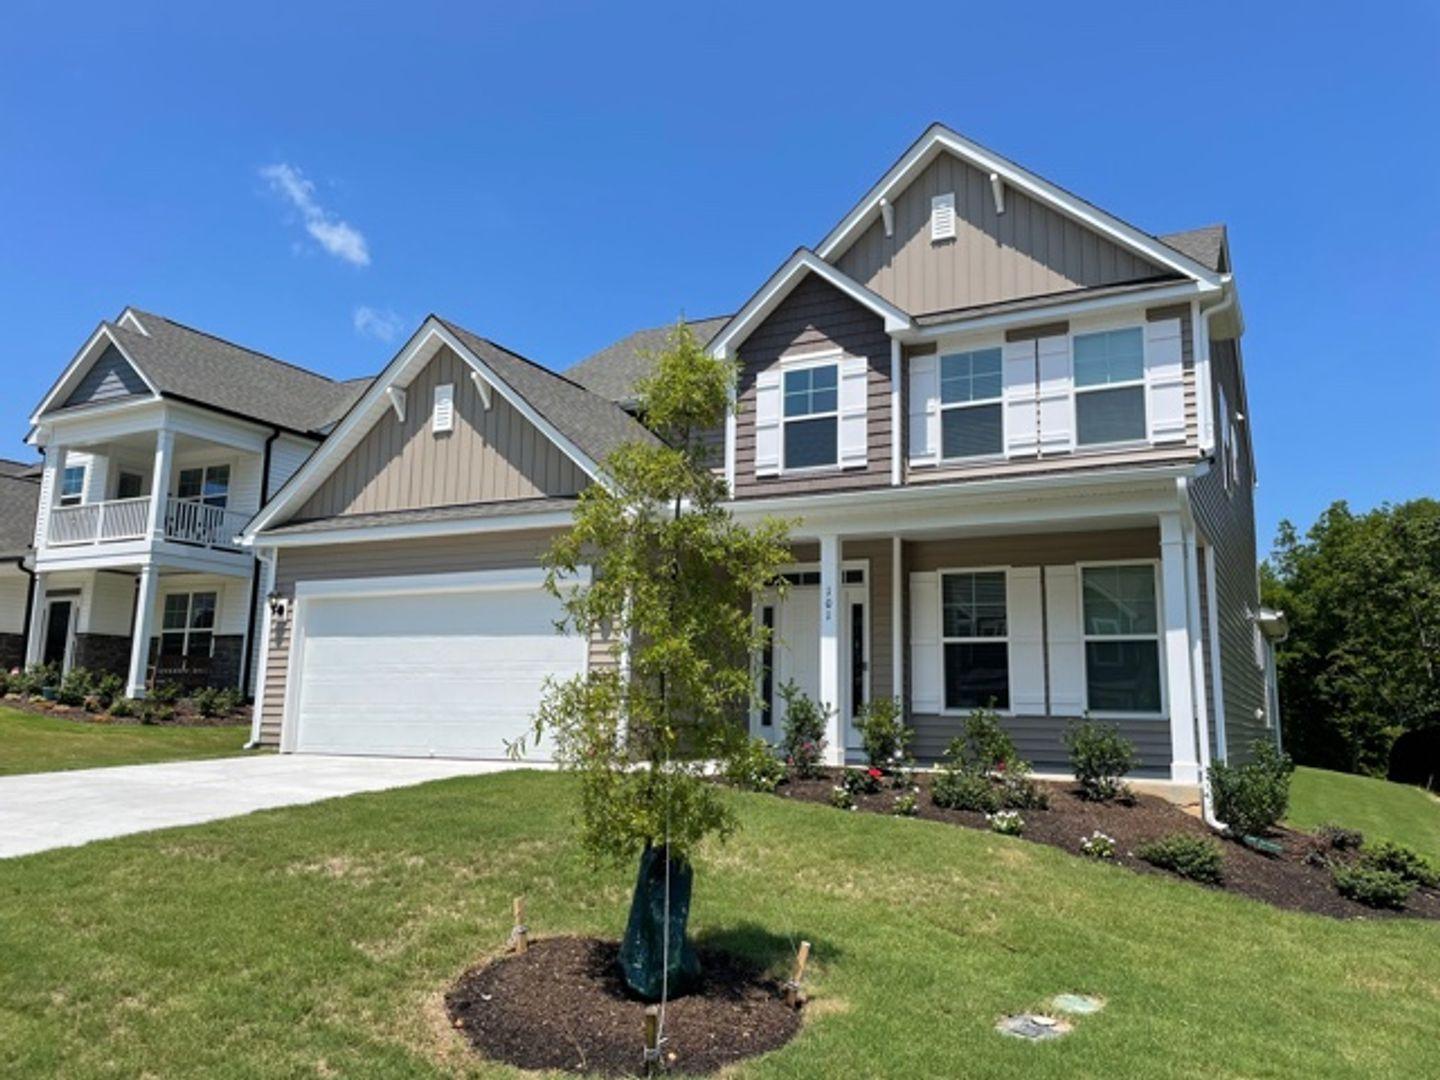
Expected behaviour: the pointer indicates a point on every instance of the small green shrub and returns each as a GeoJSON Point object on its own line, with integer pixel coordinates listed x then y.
{"type": "Point", "coordinates": [207, 701]}
{"type": "Point", "coordinates": [1100, 757]}
{"type": "Point", "coordinates": [861, 781]}
{"type": "Point", "coordinates": [1250, 798]}
{"type": "Point", "coordinates": [1006, 822]}
{"type": "Point", "coordinates": [1098, 845]}
{"type": "Point", "coordinates": [841, 798]}
{"type": "Point", "coordinates": [122, 707]}
{"type": "Point", "coordinates": [803, 741]}
{"type": "Point", "coordinates": [753, 766]}
{"type": "Point", "coordinates": [1341, 838]}
{"type": "Point", "coordinates": [907, 804]}
{"type": "Point", "coordinates": [884, 733]}
{"type": "Point", "coordinates": [35, 678]}
{"type": "Point", "coordinates": [1373, 887]}
{"type": "Point", "coordinates": [1192, 857]}
{"type": "Point", "coordinates": [985, 745]}
{"type": "Point", "coordinates": [75, 687]}
{"type": "Point", "coordinates": [153, 711]}
{"type": "Point", "coordinates": [108, 687]}
{"type": "Point", "coordinates": [1396, 858]}
{"type": "Point", "coordinates": [964, 789]}
{"type": "Point", "coordinates": [1016, 790]}
{"type": "Point", "coordinates": [166, 693]}
{"type": "Point", "coordinates": [6, 677]}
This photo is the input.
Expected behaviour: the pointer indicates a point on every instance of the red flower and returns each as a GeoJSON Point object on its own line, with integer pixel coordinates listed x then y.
{"type": "Point", "coordinates": [874, 773]}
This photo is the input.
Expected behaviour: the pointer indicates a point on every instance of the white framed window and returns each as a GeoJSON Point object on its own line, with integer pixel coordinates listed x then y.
{"type": "Point", "coordinates": [187, 626]}
{"type": "Point", "coordinates": [972, 423]}
{"type": "Point", "coordinates": [810, 417]}
{"type": "Point", "coordinates": [1121, 630]}
{"type": "Point", "coordinates": [208, 484]}
{"type": "Point", "coordinates": [72, 485]}
{"type": "Point", "coordinates": [974, 639]}
{"type": "Point", "coordinates": [1109, 368]}
{"type": "Point", "coordinates": [1227, 435]}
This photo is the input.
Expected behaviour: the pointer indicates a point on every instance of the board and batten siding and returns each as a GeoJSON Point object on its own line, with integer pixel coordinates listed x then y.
{"type": "Point", "coordinates": [814, 317]}
{"type": "Point", "coordinates": [491, 455]}
{"type": "Point", "coordinates": [1227, 522]}
{"type": "Point", "coordinates": [110, 377]}
{"type": "Point", "coordinates": [1029, 250]}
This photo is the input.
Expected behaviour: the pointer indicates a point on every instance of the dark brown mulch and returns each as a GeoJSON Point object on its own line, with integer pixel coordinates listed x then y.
{"type": "Point", "coordinates": [183, 715]}
{"type": "Point", "coordinates": [562, 1005]}
{"type": "Point", "coordinates": [1289, 880]}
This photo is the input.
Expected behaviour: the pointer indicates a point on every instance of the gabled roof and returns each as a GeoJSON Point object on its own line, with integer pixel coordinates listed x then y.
{"type": "Point", "coordinates": [19, 498]}
{"type": "Point", "coordinates": [614, 370]}
{"type": "Point", "coordinates": [1207, 246]}
{"type": "Point", "coordinates": [29, 470]}
{"type": "Point", "coordinates": [938, 139]}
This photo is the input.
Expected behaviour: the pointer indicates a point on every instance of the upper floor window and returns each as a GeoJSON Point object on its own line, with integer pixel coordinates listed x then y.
{"type": "Point", "coordinates": [209, 484]}
{"type": "Point", "coordinates": [811, 417]}
{"type": "Point", "coordinates": [974, 631]}
{"type": "Point", "coordinates": [1110, 387]}
{"type": "Point", "coordinates": [1122, 639]}
{"type": "Point", "coordinates": [970, 410]}
{"type": "Point", "coordinates": [72, 485]}
{"type": "Point", "coordinates": [188, 624]}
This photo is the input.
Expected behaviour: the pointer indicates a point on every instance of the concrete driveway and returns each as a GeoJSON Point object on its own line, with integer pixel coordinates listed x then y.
{"type": "Point", "coordinates": [40, 811]}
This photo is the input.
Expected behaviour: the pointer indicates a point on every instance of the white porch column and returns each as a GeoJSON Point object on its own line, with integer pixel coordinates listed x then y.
{"type": "Point", "coordinates": [35, 640]}
{"type": "Point", "coordinates": [830, 696]}
{"type": "Point", "coordinates": [54, 476]}
{"type": "Point", "coordinates": [142, 630]}
{"type": "Point", "coordinates": [160, 482]}
{"type": "Point", "coordinates": [899, 626]}
{"type": "Point", "coordinates": [1175, 605]}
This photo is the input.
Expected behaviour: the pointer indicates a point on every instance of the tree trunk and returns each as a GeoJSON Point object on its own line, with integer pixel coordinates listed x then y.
{"type": "Point", "coordinates": [642, 953]}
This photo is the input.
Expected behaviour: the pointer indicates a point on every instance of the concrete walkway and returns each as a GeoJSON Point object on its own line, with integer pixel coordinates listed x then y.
{"type": "Point", "coordinates": [39, 811]}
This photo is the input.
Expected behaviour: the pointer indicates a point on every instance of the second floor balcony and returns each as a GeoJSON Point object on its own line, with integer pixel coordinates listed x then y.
{"type": "Point", "coordinates": [179, 520]}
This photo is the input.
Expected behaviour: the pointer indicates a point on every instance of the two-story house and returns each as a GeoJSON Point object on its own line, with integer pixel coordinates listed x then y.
{"type": "Point", "coordinates": [160, 442]}
{"type": "Point", "coordinates": [1011, 427]}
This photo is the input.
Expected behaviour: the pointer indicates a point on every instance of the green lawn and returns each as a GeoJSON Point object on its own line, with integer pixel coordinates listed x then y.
{"type": "Point", "coordinates": [30, 743]}
{"type": "Point", "coordinates": [318, 940]}
{"type": "Point", "coordinates": [1380, 809]}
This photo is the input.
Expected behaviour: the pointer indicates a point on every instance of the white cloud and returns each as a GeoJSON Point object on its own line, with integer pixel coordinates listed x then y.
{"type": "Point", "coordinates": [381, 324]}
{"type": "Point", "coordinates": [339, 238]}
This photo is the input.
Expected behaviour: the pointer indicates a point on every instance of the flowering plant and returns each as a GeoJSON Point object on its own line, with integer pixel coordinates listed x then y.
{"type": "Point", "coordinates": [1098, 845]}
{"type": "Point", "coordinates": [861, 781]}
{"type": "Point", "coordinates": [841, 798]}
{"type": "Point", "coordinates": [1006, 822]}
{"type": "Point", "coordinates": [907, 803]}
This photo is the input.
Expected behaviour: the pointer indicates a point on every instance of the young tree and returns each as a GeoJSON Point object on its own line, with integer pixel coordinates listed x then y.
{"type": "Point", "coordinates": [674, 578]}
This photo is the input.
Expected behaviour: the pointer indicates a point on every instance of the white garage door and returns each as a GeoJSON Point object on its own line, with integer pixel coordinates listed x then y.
{"type": "Point", "coordinates": [443, 674]}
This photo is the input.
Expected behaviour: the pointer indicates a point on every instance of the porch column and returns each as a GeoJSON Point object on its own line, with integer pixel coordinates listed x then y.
{"type": "Point", "coordinates": [53, 478]}
{"type": "Point", "coordinates": [830, 696]}
{"type": "Point", "coordinates": [1175, 605]}
{"type": "Point", "coordinates": [141, 631]}
{"type": "Point", "coordinates": [160, 482]}
{"type": "Point", "coordinates": [35, 640]}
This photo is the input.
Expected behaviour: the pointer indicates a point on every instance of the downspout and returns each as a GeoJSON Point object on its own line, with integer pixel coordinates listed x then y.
{"type": "Point", "coordinates": [249, 656]}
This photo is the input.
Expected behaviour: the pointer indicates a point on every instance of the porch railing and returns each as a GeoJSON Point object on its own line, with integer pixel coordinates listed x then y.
{"type": "Point", "coordinates": [186, 522]}
{"type": "Point", "coordinates": [197, 523]}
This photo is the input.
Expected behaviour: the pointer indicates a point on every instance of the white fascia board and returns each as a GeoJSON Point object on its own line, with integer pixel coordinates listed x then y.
{"type": "Point", "coordinates": [937, 139]}
{"type": "Point", "coordinates": [523, 577]}
{"type": "Point", "coordinates": [100, 423]}
{"type": "Point", "coordinates": [780, 285]}
{"type": "Point", "coordinates": [75, 370]}
{"type": "Point", "coordinates": [129, 316]}
{"type": "Point", "coordinates": [418, 530]}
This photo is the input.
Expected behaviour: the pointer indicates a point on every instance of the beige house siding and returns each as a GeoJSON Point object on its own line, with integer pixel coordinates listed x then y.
{"type": "Point", "coordinates": [492, 454]}
{"type": "Point", "coordinates": [1227, 521]}
{"type": "Point", "coordinates": [1029, 250]}
{"type": "Point", "coordinates": [814, 315]}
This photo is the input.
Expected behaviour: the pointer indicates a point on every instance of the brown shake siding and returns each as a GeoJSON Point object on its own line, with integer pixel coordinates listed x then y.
{"type": "Point", "coordinates": [813, 316]}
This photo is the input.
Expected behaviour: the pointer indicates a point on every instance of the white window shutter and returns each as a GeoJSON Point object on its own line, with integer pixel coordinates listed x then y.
{"type": "Point", "coordinates": [926, 663]}
{"type": "Point", "coordinates": [1021, 433]}
{"type": "Point", "coordinates": [1165, 381]}
{"type": "Point", "coordinates": [1067, 643]}
{"type": "Point", "coordinates": [1024, 614]}
{"type": "Point", "coordinates": [1057, 394]}
{"type": "Point", "coordinates": [942, 217]}
{"type": "Point", "coordinates": [442, 418]}
{"type": "Point", "coordinates": [924, 410]}
{"type": "Point", "coordinates": [854, 390]}
{"type": "Point", "coordinates": [767, 423]}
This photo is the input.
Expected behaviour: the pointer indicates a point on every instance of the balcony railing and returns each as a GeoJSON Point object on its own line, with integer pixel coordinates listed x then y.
{"type": "Point", "coordinates": [186, 522]}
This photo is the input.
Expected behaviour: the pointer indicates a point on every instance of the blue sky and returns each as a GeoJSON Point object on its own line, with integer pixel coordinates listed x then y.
{"type": "Point", "coordinates": [557, 176]}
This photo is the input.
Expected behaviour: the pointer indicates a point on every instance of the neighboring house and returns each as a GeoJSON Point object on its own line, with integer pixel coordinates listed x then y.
{"type": "Point", "coordinates": [19, 497]}
{"type": "Point", "coordinates": [160, 443]}
{"type": "Point", "coordinates": [1013, 429]}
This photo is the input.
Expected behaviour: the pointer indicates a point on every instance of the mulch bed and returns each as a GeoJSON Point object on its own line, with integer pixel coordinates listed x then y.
{"type": "Point", "coordinates": [1291, 879]}
{"type": "Point", "coordinates": [562, 1005]}
{"type": "Point", "coordinates": [183, 715]}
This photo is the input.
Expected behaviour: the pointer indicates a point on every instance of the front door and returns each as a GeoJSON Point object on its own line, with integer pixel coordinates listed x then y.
{"type": "Point", "coordinates": [56, 647]}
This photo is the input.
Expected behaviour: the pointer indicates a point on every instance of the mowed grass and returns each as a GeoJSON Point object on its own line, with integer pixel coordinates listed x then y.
{"type": "Point", "coordinates": [30, 743]}
{"type": "Point", "coordinates": [319, 941]}
{"type": "Point", "coordinates": [1378, 808]}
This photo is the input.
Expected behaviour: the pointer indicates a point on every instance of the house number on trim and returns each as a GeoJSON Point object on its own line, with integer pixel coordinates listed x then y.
{"type": "Point", "coordinates": [827, 604]}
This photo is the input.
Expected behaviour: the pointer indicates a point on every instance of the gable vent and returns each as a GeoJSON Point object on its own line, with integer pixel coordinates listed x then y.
{"type": "Point", "coordinates": [942, 217]}
{"type": "Point", "coordinates": [443, 416]}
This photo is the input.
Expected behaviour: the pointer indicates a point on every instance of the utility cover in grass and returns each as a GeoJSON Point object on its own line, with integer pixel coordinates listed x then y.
{"type": "Point", "coordinates": [1032, 1026]}
{"type": "Point", "coordinates": [1077, 1004]}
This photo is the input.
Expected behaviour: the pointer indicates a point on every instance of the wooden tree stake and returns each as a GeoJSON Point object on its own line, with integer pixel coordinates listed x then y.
{"type": "Point", "coordinates": [519, 937]}
{"type": "Point", "coordinates": [652, 1039]}
{"type": "Point", "coordinates": [794, 996]}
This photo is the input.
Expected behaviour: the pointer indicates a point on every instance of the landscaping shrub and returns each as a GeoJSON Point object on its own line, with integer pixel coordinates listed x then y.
{"type": "Point", "coordinates": [841, 798]}
{"type": "Point", "coordinates": [5, 679]}
{"type": "Point", "coordinates": [1006, 822]}
{"type": "Point", "coordinates": [803, 741]}
{"type": "Point", "coordinates": [1398, 859]}
{"type": "Point", "coordinates": [956, 788]}
{"type": "Point", "coordinates": [33, 679]}
{"type": "Point", "coordinates": [108, 686]}
{"type": "Point", "coordinates": [1251, 798]}
{"type": "Point", "coordinates": [1340, 838]}
{"type": "Point", "coordinates": [1100, 757]}
{"type": "Point", "coordinates": [75, 687]}
{"type": "Point", "coordinates": [1098, 845]}
{"type": "Point", "coordinates": [215, 701]}
{"type": "Point", "coordinates": [884, 733]}
{"type": "Point", "coordinates": [985, 745]}
{"type": "Point", "coordinates": [1192, 857]}
{"type": "Point", "coordinates": [122, 707]}
{"type": "Point", "coordinates": [166, 693]}
{"type": "Point", "coordinates": [861, 781]}
{"type": "Point", "coordinates": [1017, 791]}
{"type": "Point", "coordinates": [1373, 887]}
{"type": "Point", "coordinates": [754, 767]}
{"type": "Point", "coordinates": [153, 711]}
{"type": "Point", "coordinates": [907, 804]}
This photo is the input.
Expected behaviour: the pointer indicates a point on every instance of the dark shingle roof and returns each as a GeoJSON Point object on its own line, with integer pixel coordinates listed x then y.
{"type": "Point", "coordinates": [185, 363]}
{"type": "Point", "coordinates": [459, 512]}
{"type": "Point", "coordinates": [18, 501]}
{"type": "Point", "coordinates": [595, 425]}
{"type": "Point", "coordinates": [614, 370]}
{"type": "Point", "coordinates": [20, 468]}
{"type": "Point", "coordinates": [1025, 303]}
{"type": "Point", "coordinates": [1205, 245]}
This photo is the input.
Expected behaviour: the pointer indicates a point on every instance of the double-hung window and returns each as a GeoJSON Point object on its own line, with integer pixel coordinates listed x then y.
{"type": "Point", "coordinates": [971, 423]}
{"type": "Point", "coordinates": [72, 485]}
{"type": "Point", "coordinates": [1110, 386]}
{"type": "Point", "coordinates": [187, 627]}
{"type": "Point", "coordinates": [974, 631]}
{"type": "Point", "coordinates": [1122, 639]}
{"type": "Point", "coordinates": [209, 484]}
{"type": "Point", "coordinates": [811, 417]}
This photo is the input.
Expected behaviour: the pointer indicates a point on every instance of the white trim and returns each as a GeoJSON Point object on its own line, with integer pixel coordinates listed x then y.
{"type": "Point", "coordinates": [73, 372]}
{"type": "Point", "coordinates": [898, 626]}
{"type": "Point", "coordinates": [1217, 674]}
{"type": "Point", "coordinates": [1158, 638]}
{"type": "Point", "coordinates": [1140, 383]}
{"type": "Point", "coordinates": [361, 534]}
{"type": "Point", "coordinates": [268, 564]}
{"type": "Point", "coordinates": [941, 406]}
{"type": "Point", "coordinates": [482, 388]}
{"type": "Point", "coordinates": [396, 395]}
{"type": "Point", "coordinates": [943, 639]}
{"type": "Point", "coordinates": [779, 286]}
{"type": "Point", "coordinates": [938, 138]}
{"type": "Point", "coordinates": [828, 357]}
{"type": "Point", "coordinates": [896, 420]}
{"type": "Point", "coordinates": [128, 315]}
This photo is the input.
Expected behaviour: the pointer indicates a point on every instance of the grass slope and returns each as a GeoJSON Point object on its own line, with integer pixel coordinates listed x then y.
{"type": "Point", "coordinates": [1380, 809]}
{"type": "Point", "coordinates": [318, 940]}
{"type": "Point", "coordinates": [30, 743]}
